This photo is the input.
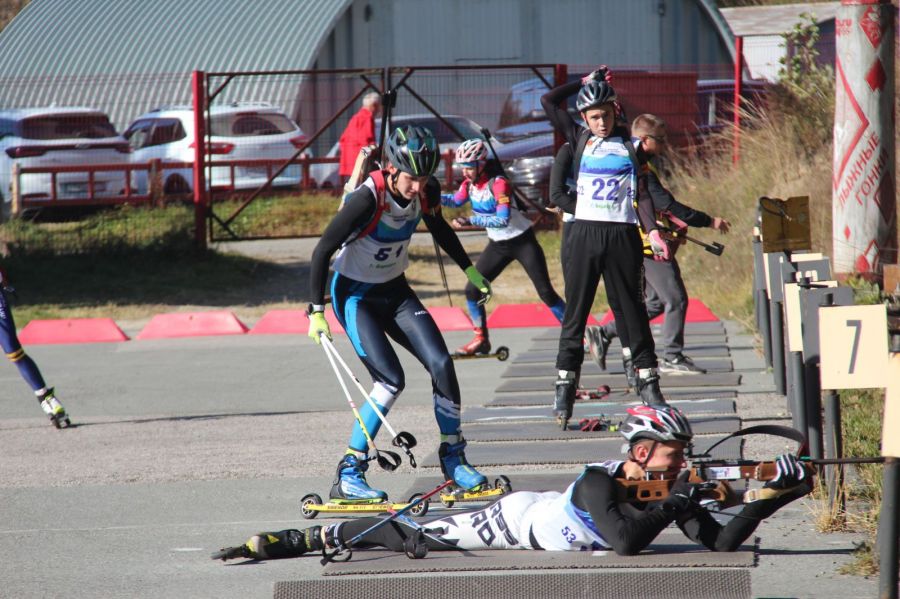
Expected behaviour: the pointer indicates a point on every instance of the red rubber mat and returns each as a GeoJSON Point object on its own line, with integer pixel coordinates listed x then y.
{"type": "Point", "coordinates": [697, 312]}
{"type": "Point", "coordinates": [524, 315]}
{"type": "Point", "coordinates": [192, 324]}
{"type": "Point", "coordinates": [450, 318]}
{"type": "Point", "coordinates": [290, 322]}
{"type": "Point", "coordinates": [71, 330]}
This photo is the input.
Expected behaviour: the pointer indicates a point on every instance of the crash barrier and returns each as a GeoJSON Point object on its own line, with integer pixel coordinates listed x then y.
{"type": "Point", "coordinates": [818, 341]}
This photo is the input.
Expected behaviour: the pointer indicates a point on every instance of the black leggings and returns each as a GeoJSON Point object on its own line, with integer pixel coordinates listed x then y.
{"type": "Point", "coordinates": [613, 251]}
{"type": "Point", "coordinates": [372, 312]}
{"type": "Point", "coordinates": [526, 250]}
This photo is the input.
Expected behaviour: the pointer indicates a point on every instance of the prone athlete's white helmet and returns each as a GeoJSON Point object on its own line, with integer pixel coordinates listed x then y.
{"type": "Point", "coordinates": [656, 423]}
{"type": "Point", "coordinates": [471, 152]}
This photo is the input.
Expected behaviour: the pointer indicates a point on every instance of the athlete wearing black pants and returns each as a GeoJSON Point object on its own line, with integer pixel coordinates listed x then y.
{"type": "Point", "coordinates": [591, 514]}
{"type": "Point", "coordinates": [373, 301]}
{"type": "Point", "coordinates": [603, 240]}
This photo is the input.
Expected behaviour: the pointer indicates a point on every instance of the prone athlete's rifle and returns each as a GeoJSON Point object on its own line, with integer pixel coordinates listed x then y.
{"type": "Point", "coordinates": [715, 473]}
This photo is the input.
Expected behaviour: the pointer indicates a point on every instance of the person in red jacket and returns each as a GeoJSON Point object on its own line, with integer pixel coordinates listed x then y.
{"type": "Point", "coordinates": [360, 132]}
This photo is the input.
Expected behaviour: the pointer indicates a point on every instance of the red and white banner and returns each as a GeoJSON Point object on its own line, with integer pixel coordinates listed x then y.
{"type": "Point", "coordinates": [864, 202]}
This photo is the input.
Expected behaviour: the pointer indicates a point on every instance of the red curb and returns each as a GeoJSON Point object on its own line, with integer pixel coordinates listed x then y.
{"type": "Point", "coordinates": [524, 315]}
{"type": "Point", "coordinates": [192, 324]}
{"type": "Point", "coordinates": [71, 330]}
{"type": "Point", "coordinates": [450, 318]}
{"type": "Point", "coordinates": [697, 311]}
{"type": "Point", "coordinates": [290, 322]}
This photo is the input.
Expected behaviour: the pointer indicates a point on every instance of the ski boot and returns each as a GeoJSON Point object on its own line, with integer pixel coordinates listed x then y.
{"type": "Point", "coordinates": [630, 374]}
{"type": "Point", "coordinates": [648, 388]}
{"type": "Point", "coordinates": [350, 484]}
{"type": "Point", "coordinates": [480, 344]}
{"type": "Point", "coordinates": [566, 387]}
{"type": "Point", "coordinates": [455, 467]}
{"type": "Point", "coordinates": [275, 545]}
{"type": "Point", "coordinates": [599, 345]}
{"type": "Point", "coordinates": [53, 409]}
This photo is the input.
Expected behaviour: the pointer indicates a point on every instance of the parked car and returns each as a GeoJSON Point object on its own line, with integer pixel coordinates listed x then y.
{"type": "Point", "coordinates": [54, 137]}
{"type": "Point", "coordinates": [715, 101]}
{"type": "Point", "coordinates": [326, 174]}
{"type": "Point", "coordinates": [237, 131]}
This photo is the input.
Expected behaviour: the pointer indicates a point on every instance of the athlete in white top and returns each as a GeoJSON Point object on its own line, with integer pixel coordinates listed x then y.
{"type": "Point", "coordinates": [592, 514]}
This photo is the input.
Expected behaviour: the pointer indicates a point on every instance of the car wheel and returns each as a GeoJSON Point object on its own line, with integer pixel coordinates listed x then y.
{"type": "Point", "coordinates": [176, 185]}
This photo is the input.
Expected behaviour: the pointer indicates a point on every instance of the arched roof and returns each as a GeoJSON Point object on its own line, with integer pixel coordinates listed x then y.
{"type": "Point", "coordinates": [127, 56]}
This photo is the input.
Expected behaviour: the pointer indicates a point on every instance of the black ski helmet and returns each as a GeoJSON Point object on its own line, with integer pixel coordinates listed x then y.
{"type": "Point", "coordinates": [593, 94]}
{"type": "Point", "coordinates": [413, 150]}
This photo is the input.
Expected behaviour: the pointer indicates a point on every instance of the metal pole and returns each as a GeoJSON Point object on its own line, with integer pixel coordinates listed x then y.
{"type": "Point", "coordinates": [834, 475]}
{"type": "Point", "coordinates": [738, 80]}
{"type": "Point", "coordinates": [778, 366]}
{"type": "Point", "coordinates": [889, 531]}
{"type": "Point", "coordinates": [797, 403]}
{"type": "Point", "coordinates": [813, 410]}
{"type": "Point", "coordinates": [198, 87]}
{"type": "Point", "coordinates": [765, 325]}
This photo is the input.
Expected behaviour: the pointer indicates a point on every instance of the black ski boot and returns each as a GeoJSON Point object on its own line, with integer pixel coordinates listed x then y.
{"type": "Point", "coordinates": [566, 386]}
{"type": "Point", "coordinates": [275, 545]}
{"type": "Point", "coordinates": [630, 374]}
{"type": "Point", "coordinates": [648, 388]}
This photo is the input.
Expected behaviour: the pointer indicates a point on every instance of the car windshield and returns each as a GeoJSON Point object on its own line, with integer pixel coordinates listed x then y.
{"type": "Point", "coordinates": [245, 124]}
{"type": "Point", "coordinates": [70, 126]}
{"type": "Point", "coordinates": [441, 132]}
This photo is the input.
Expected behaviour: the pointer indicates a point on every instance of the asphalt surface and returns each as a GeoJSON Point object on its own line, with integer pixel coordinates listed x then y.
{"type": "Point", "coordinates": [184, 446]}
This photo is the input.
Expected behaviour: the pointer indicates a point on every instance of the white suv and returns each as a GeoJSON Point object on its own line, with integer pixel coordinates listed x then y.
{"type": "Point", "coordinates": [60, 137]}
{"type": "Point", "coordinates": [238, 131]}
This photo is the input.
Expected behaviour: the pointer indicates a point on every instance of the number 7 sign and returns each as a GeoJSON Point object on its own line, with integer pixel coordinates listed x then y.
{"type": "Point", "coordinates": [853, 341]}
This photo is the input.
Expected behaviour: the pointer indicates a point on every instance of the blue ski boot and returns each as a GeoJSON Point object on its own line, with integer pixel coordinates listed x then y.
{"type": "Point", "coordinates": [454, 466]}
{"type": "Point", "coordinates": [350, 484]}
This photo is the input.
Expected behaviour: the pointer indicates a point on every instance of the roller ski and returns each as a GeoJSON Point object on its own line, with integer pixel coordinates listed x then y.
{"type": "Point", "coordinates": [480, 347]}
{"type": "Point", "coordinates": [54, 410]}
{"type": "Point", "coordinates": [351, 494]}
{"type": "Point", "coordinates": [468, 483]}
{"type": "Point", "coordinates": [600, 392]}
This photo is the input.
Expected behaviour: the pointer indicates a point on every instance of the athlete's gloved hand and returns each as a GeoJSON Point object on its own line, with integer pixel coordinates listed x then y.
{"type": "Point", "coordinates": [459, 222]}
{"type": "Point", "coordinates": [601, 73]}
{"type": "Point", "coordinates": [683, 495]}
{"type": "Point", "coordinates": [318, 326]}
{"type": "Point", "coordinates": [658, 245]}
{"type": "Point", "coordinates": [481, 283]}
{"type": "Point", "coordinates": [790, 473]}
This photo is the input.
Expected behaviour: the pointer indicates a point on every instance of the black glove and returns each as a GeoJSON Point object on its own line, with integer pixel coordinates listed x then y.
{"type": "Point", "coordinates": [790, 473]}
{"type": "Point", "coordinates": [683, 495]}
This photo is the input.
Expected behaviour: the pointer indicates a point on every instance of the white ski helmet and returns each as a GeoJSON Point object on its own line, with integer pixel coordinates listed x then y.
{"type": "Point", "coordinates": [657, 424]}
{"type": "Point", "coordinates": [471, 152]}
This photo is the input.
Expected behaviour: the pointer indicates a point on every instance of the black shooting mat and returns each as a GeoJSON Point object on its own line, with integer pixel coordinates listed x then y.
{"type": "Point", "coordinates": [690, 329]}
{"type": "Point", "coordinates": [690, 407]}
{"type": "Point", "coordinates": [666, 381]}
{"type": "Point", "coordinates": [671, 549]}
{"type": "Point", "coordinates": [578, 451]}
{"type": "Point", "coordinates": [619, 581]}
{"type": "Point", "coordinates": [541, 431]}
{"type": "Point", "coordinates": [545, 398]}
{"type": "Point", "coordinates": [712, 349]}
{"type": "Point", "coordinates": [521, 368]}
{"type": "Point", "coordinates": [545, 351]}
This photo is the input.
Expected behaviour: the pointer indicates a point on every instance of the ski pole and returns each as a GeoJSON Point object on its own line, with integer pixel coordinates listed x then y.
{"type": "Point", "coordinates": [390, 460]}
{"type": "Point", "coordinates": [347, 545]}
{"type": "Point", "coordinates": [403, 440]}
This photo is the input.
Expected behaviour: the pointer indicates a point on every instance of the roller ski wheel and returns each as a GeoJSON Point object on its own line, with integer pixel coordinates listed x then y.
{"type": "Point", "coordinates": [502, 483]}
{"type": "Point", "coordinates": [600, 392]}
{"type": "Point", "coordinates": [502, 354]}
{"type": "Point", "coordinates": [309, 500]}
{"type": "Point", "coordinates": [421, 508]}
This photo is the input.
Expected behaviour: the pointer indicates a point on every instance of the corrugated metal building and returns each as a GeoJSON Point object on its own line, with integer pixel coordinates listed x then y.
{"type": "Point", "coordinates": [127, 56]}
